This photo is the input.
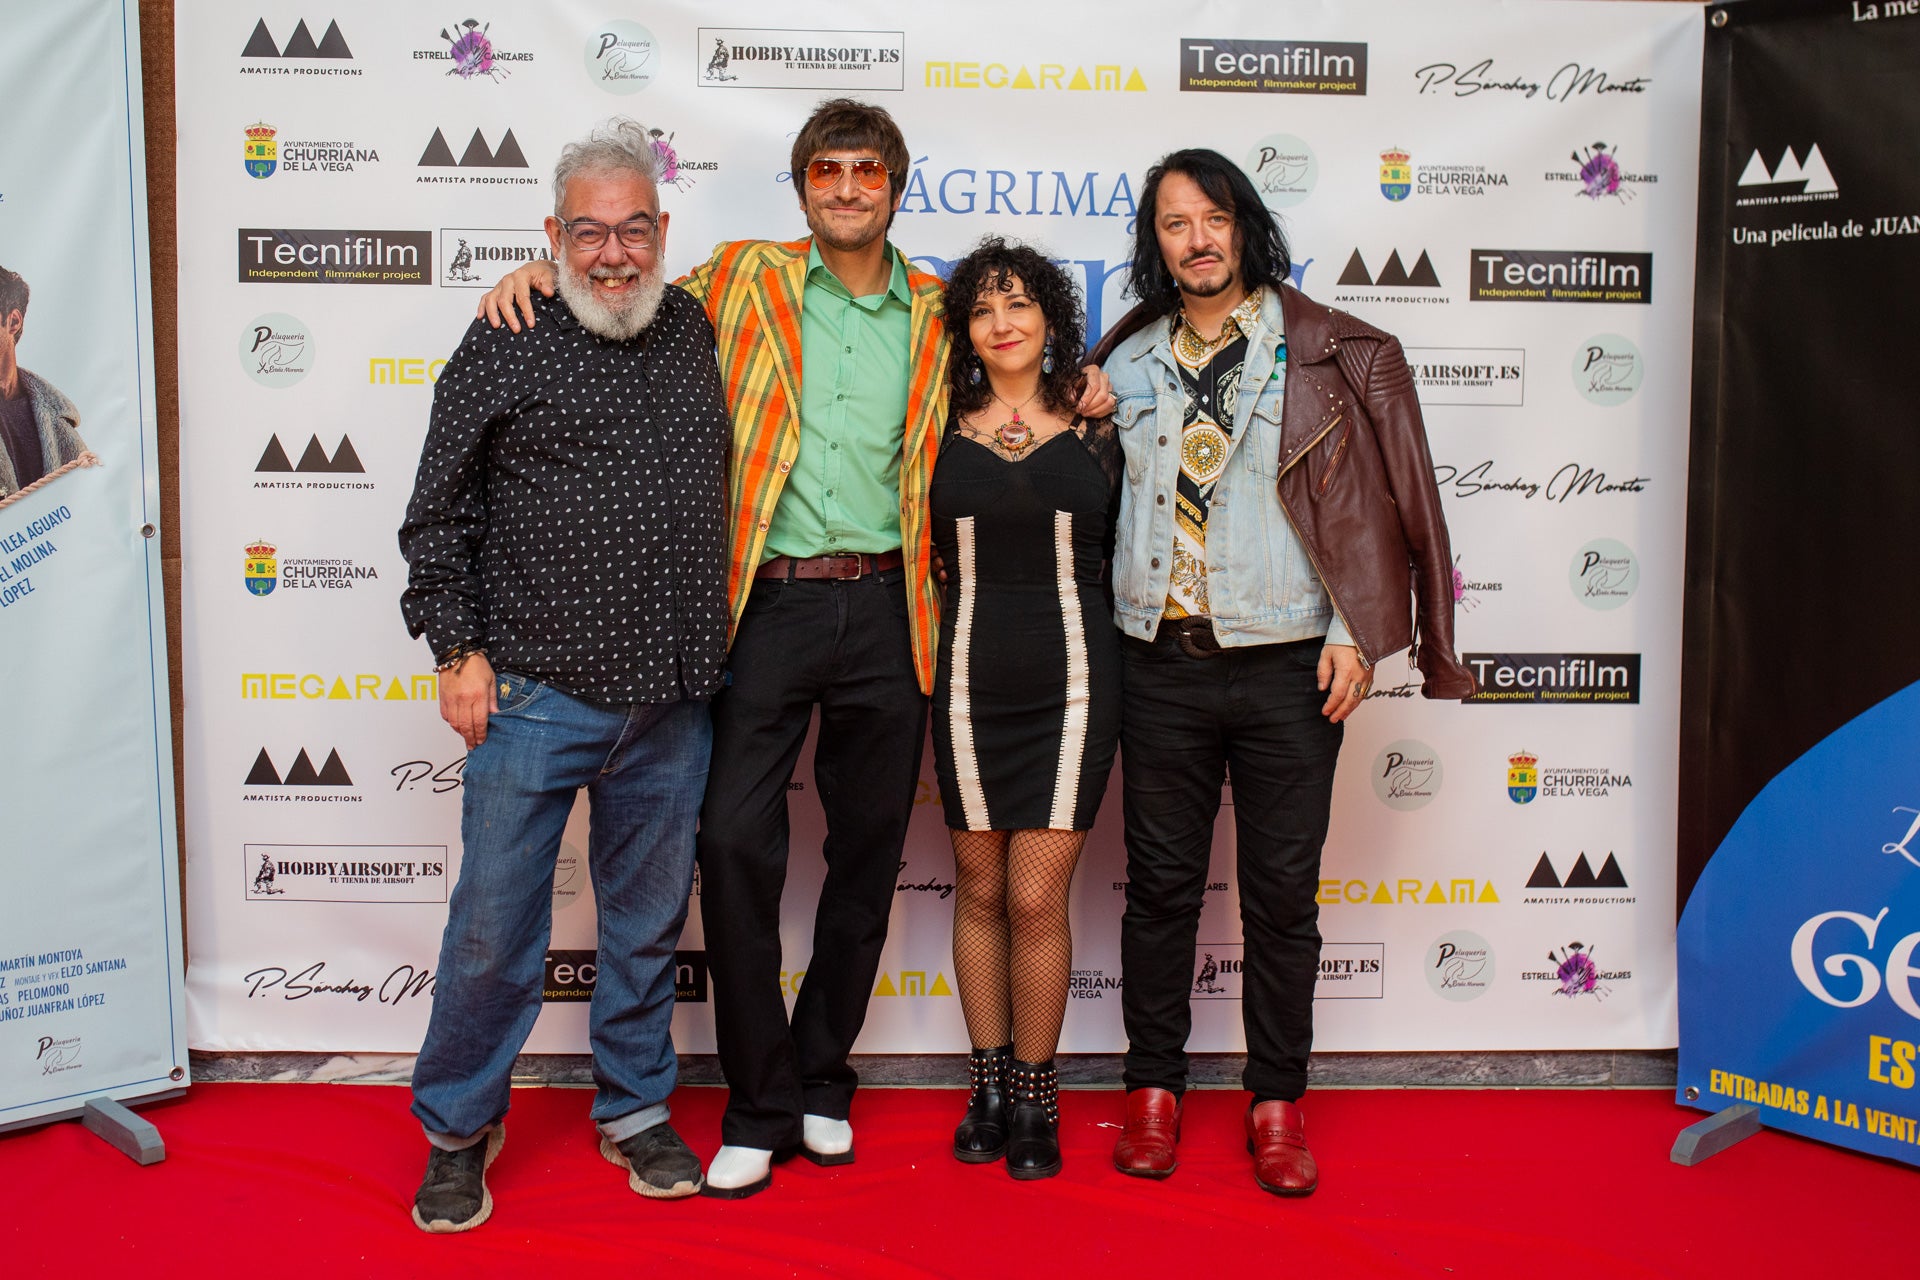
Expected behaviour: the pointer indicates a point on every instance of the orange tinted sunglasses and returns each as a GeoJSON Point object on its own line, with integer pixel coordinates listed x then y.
{"type": "Point", "coordinates": [825, 172]}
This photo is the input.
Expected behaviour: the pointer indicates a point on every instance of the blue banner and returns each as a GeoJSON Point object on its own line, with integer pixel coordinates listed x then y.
{"type": "Point", "coordinates": [1800, 982]}
{"type": "Point", "coordinates": [91, 996]}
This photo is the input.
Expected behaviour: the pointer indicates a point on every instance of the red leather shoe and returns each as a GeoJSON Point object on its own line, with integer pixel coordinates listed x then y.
{"type": "Point", "coordinates": [1277, 1137]}
{"type": "Point", "coordinates": [1145, 1148]}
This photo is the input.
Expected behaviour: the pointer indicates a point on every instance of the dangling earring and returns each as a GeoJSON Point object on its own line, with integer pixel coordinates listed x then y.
{"type": "Point", "coordinates": [973, 370]}
{"type": "Point", "coordinates": [1046, 356]}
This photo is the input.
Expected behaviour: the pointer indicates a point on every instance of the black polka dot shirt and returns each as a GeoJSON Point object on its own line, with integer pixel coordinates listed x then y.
{"type": "Point", "coordinates": [568, 514]}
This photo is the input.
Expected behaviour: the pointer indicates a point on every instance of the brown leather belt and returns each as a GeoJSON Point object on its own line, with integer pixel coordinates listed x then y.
{"type": "Point", "coordinates": [1193, 635]}
{"type": "Point", "coordinates": [846, 564]}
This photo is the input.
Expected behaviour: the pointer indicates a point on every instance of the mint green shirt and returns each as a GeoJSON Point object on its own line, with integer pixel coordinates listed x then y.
{"type": "Point", "coordinates": [843, 493]}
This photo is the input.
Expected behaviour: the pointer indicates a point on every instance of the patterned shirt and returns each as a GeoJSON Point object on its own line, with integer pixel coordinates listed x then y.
{"type": "Point", "coordinates": [569, 514]}
{"type": "Point", "coordinates": [1210, 377]}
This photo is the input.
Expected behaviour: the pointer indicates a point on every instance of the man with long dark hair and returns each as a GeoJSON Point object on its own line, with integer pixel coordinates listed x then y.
{"type": "Point", "coordinates": [1279, 491]}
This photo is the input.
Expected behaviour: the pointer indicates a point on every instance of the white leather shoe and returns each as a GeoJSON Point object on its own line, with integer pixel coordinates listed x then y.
{"type": "Point", "coordinates": [738, 1172]}
{"type": "Point", "coordinates": [826, 1142]}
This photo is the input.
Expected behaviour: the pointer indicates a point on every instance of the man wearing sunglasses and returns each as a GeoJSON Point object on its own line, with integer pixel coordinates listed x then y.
{"type": "Point", "coordinates": [834, 359]}
{"type": "Point", "coordinates": [565, 562]}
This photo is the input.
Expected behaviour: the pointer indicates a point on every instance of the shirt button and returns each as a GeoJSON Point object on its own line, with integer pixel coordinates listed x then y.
{"type": "Point", "coordinates": [840, 397]}
{"type": "Point", "coordinates": [829, 493]}
{"type": "Point", "coordinates": [834, 445]}
{"type": "Point", "coordinates": [763, 529]}
{"type": "Point", "coordinates": [849, 350]}
{"type": "Point", "coordinates": [786, 466]}
{"type": "Point", "coordinates": [1163, 439]}
{"type": "Point", "coordinates": [1156, 559]}
{"type": "Point", "coordinates": [1161, 499]}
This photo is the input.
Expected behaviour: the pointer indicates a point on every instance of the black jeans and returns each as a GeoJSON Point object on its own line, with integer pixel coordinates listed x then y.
{"type": "Point", "coordinates": [1185, 720]}
{"type": "Point", "coordinates": [843, 646]}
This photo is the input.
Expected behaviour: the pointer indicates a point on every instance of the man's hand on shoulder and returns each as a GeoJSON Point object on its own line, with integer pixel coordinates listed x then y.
{"type": "Point", "coordinates": [515, 290]}
{"type": "Point", "coordinates": [468, 696]}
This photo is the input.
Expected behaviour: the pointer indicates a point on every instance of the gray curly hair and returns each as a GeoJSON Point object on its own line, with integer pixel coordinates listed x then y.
{"type": "Point", "coordinates": [618, 145]}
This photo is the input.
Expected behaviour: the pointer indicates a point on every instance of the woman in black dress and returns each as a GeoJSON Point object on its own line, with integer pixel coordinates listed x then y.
{"type": "Point", "coordinates": [1026, 698]}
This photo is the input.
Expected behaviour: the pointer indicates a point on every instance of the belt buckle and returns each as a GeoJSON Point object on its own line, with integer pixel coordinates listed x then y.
{"type": "Point", "coordinates": [1185, 632]}
{"type": "Point", "coordinates": [859, 564]}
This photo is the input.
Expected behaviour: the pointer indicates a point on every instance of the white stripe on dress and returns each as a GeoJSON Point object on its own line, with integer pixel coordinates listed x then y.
{"type": "Point", "coordinates": [1073, 730]}
{"type": "Point", "coordinates": [966, 761]}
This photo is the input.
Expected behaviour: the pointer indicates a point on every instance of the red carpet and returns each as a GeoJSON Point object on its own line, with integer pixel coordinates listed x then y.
{"type": "Point", "coordinates": [316, 1180]}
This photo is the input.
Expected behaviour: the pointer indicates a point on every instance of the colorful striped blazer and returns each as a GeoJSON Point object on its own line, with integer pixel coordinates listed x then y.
{"type": "Point", "coordinates": [751, 290]}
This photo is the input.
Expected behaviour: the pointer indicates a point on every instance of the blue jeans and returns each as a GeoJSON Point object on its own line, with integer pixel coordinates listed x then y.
{"type": "Point", "coordinates": [645, 769]}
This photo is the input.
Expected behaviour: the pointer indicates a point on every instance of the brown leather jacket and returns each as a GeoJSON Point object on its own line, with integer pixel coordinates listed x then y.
{"type": "Point", "coordinates": [1357, 482]}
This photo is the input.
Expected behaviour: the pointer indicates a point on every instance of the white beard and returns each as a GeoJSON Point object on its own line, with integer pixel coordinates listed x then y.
{"type": "Point", "coordinates": [618, 320]}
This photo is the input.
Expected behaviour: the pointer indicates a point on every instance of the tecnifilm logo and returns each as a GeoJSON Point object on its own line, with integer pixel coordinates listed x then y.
{"type": "Point", "coordinates": [276, 349]}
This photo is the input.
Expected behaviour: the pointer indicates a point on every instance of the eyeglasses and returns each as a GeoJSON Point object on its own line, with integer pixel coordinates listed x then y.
{"type": "Point", "coordinates": [825, 172]}
{"type": "Point", "coordinates": [635, 233]}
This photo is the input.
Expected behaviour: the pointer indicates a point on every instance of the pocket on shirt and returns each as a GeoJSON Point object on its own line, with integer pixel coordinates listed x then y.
{"type": "Point", "coordinates": [1262, 445]}
{"type": "Point", "coordinates": [1133, 417]}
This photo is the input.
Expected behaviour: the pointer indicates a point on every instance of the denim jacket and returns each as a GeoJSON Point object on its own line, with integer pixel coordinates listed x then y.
{"type": "Point", "coordinates": [1262, 586]}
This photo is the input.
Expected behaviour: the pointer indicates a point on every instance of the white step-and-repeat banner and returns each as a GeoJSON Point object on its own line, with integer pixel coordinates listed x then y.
{"type": "Point", "coordinates": [1510, 188]}
{"type": "Point", "coordinates": [92, 998]}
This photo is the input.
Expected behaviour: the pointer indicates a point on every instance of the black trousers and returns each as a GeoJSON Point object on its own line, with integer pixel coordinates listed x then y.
{"type": "Point", "coordinates": [842, 646]}
{"type": "Point", "coordinates": [1255, 711]}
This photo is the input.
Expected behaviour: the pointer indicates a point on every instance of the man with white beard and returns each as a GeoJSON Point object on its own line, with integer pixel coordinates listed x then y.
{"type": "Point", "coordinates": [566, 552]}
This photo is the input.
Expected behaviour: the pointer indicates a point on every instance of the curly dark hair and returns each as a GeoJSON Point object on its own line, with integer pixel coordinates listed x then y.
{"type": "Point", "coordinates": [1263, 248]}
{"type": "Point", "coordinates": [993, 267]}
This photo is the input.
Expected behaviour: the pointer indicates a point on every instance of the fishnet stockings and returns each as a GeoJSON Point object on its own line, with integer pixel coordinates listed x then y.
{"type": "Point", "coordinates": [1012, 943]}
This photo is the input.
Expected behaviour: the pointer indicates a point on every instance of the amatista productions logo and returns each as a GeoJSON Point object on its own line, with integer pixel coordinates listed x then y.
{"type": "Point", "coordinates": [1604, 574]}
{"type": "Point", "coordinates": [475, 257]}
{"type": "Point", "coordinates": [470, 52]}
{"type": "Point", "coordinates": [1791, 181]}
{"type": "Point", "coordinates": [1555, 677]}
{"type": "Point", "coordinates": [477, 156]}
{"type": "Point", "coordinates": [767, 58]}
{"type": "Point", "coordinates": [314, 461]}
{"type": "Point", "coordinates": [265, 154]}
{"type": "Point", "coordinates": [1582, 884]}
{"type": "Point", "coordinates": [1098, 77]}
{"type": "Point", "coordinates": [1470, 375]}
{"type": "Point", "coordinates": [330, 783]}
{"type": "Point", "coordinates": [346, 872]}
{"type": "Point", "coordinates": [1273, 66]}
{"type": "Point", "coordinates": [303, 256]}
{"type": "Point", "coordinates": [621, 57]}
{"type": "Point", "coordinates": [1393, 282]}
{"type": "Point", "coordinates": [1596, 169]}
{"type": "Point", "coordinates": [1560, 275]}
{"type": "Point", "coordinates": [294, 58]}
{"type": "Point", "coordinates": [276, 350]}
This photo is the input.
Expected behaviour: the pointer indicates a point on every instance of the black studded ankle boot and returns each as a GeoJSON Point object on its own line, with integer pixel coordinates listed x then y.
{"type": "Point", "coordinates": [1033, 1147]}
{"type": "Point", "coordinates": [982, 1135]}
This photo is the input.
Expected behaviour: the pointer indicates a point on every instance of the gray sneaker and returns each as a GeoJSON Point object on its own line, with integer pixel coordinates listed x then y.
{"type": "Point", "coordinates": [659, 1165]}
{"type": "Point", "coordinates": [453, 1195]}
